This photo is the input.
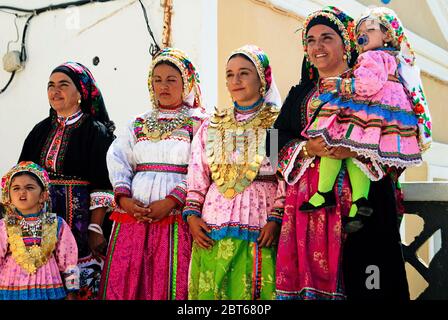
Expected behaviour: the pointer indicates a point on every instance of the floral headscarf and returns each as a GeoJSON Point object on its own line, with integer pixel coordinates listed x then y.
{"type": "Point", "coordinates": [408, 70]}
{"type": "Point", "coordinates": [333, 17]}
{"type": "Point", "coordinates": [191, 94]}
{"type": "Point", "coordinates": [91, 98]}
{"type": "Point", "coordinates": [24, 166]}
{"type": "Point", "coordinates": [271, 95]}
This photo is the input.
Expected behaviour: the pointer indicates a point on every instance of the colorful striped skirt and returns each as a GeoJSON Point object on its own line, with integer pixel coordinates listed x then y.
{"type": "Point", "coordinates": [147, 261]}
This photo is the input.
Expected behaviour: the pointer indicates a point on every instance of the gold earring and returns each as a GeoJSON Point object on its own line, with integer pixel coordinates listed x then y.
{"type": "Point", "coordinates": [344, 57]}
{"type": "Point", "coordinates": [262, 91]}
{"type": "Point", "coordinates": [79, 101]}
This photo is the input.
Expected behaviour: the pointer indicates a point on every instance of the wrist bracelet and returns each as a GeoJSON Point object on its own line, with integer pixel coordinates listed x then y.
{"type": "Point", "coordinates": [95, 228]}
{"type": "Point", "coordinates": [338, 85]}
{"type": "Point", "coordinates": [305, 151]}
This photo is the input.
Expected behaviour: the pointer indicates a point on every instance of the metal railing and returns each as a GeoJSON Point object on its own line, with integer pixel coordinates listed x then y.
{"type": "Point", "coordinates": [429, 200]}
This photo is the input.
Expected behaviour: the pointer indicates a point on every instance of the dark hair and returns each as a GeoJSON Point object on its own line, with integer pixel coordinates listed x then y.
{"type": "Point", "coordinates": [31, 175]}
{"type": "Point", "coordinates": [168, 63]}
{"type": "Point", "coordinates": [385, 30]}
{"type": "Point", "coordinates": [240, 55]}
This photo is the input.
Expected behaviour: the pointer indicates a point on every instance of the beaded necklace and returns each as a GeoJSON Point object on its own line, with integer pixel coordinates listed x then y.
{"type": "Point", "coordinates": [244, 109]}
{"type": "Point", "coordinates": [156, 129]}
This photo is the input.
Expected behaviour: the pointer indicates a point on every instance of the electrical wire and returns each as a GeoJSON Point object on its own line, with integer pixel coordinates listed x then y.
{"type": "Point", "coordinates": [154, 47]}
{"type": "Point", "coordinates": [9, 82]}
{"type": "Point", "coordinates": [31, 13]}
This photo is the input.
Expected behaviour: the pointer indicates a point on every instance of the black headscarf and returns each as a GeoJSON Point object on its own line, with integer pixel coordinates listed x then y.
{"type": "Point", "coordinates": [91, 98]}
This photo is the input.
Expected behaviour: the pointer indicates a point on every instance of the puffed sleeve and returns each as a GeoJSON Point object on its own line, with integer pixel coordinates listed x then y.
{"type": "Point", "coordinates": [66, 254]}
{"type": "Point", "coordinates": [371, 72]}
{"type": "Point", "coordinates": [3, 242]}
{"type": "Point", "coordinates": [179, 193]}
{"type": "Point", "coordinates": [290, 165]}
{"type": "Point", "coordinates": [278, 209]}
{"type": "Point", "coordinates": [121, 163]}
{"type": "Point", "coordinates": [198, 177]}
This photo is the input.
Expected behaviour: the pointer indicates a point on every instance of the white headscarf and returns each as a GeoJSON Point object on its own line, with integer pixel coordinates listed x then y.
{"type": "Point", "coordinates": [270, 94]}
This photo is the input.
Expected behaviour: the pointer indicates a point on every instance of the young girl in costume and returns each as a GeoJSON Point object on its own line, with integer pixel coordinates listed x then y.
{"type": "Point", "coordinates": [380, 113]}
{"type": "Point", "coordinates": [38, 253]}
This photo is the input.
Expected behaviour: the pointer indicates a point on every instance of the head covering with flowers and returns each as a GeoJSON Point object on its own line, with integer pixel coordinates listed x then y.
{"type": "Point", "coordinates": [270, 93]}
{"type": "Point", "coordinates": [339, 21]}
{"type": "Point", "coordinates": [408, 70]}
{"type": "Point", "coordinates": [334, 18]}
{"type": "Point", "coordinates": [91, 98]}
{"type": "Point", "coordinates": [24, 166]}
{"type": "Point", "coordinates": [191, 94]}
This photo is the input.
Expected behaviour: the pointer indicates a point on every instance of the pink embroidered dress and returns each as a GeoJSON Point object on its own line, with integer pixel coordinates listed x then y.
{"type": "Point", "coordinates": [310, 246]}
{"type": "Point", "coordinates": [149, 261]}
{"type": "Point", "coordinates": [235, 208]}
{"type": "Point", "coordinates": [51, 281]}
{"type": "Point", "coordinates": [235, 226]}
{"type": "Point", "coordinates": [377, 122]}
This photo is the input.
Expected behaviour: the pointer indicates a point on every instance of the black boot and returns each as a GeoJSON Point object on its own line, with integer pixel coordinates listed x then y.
{"type": "Point", "coordinates": [364, 207]}
{"type": "Point", "coordinates": [352, 224]}
{"type": "Point", "coordinates": [329, 202]}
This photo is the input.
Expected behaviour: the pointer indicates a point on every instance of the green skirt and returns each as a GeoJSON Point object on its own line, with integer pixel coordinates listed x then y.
{"type": "Point", "coordinates": [232, 269]}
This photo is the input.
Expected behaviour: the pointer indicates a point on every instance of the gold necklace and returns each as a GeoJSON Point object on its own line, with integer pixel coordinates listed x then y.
{"type": "Point", "coordinates": [35, 256]}
{"type": "Point", "coordinates": [236, 149]}
{"type": "Point", "coordinates": [157, 130]}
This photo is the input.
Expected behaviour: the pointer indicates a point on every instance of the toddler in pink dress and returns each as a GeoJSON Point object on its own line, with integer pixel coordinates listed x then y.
{"type": "Point", "coordinates": [380, 113]}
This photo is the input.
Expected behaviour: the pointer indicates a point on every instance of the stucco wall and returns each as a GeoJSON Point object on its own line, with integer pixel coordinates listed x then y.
{"type": "Point", "coordinates": [121, 41]}
{"type": "Point", "coordinates": [245, 22]}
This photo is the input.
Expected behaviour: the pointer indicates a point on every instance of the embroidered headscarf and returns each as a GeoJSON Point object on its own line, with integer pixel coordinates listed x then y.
{"type": "Point", "coordinates": [24, 166]}
{"type": "Point", "coordinates": [191, 94]}
{"type": "Point", "coordinates": [341, 23]}
{"type": "Point", "coordinates": [408, 70]}
{"type": "Point", "coordinates": [270, 93]}
{"type": "Point", "coordinates": [91, 98]}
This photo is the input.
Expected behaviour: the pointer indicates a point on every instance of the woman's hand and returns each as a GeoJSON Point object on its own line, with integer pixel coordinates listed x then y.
{"type": "Point", "coordinates": [97, 244]}
{"type": "Point", "coordinates": [341, 153]}
{"type": "Point", "coordinates": [134, 208]}
{"type": "Point", "coordinates": [198, 227]}
{"type": "Point", "coordinates": [161, 208]}
{"type": "Point", "coordinates": [318, 147]}
{"type": "Point", "coordinates": [269, 234]}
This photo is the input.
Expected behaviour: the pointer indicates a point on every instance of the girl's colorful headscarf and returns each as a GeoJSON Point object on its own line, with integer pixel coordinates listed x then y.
{"type": "Point", "coordinates": [191, 92]}
{"type": "Point", "coordinates": [407, 69]}
{"type": "Point", "coordinates": [24, 166]}
{"type": "Point", "coordinates": [270, 93]}
{"type": "Point", "coordinates": [91, 98]}
{"type": "Point", "coordinates": [340, 22]}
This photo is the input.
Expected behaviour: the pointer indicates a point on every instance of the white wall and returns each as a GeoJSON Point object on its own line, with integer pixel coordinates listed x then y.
{"type": "Point", "coordinates": [120, 40]}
